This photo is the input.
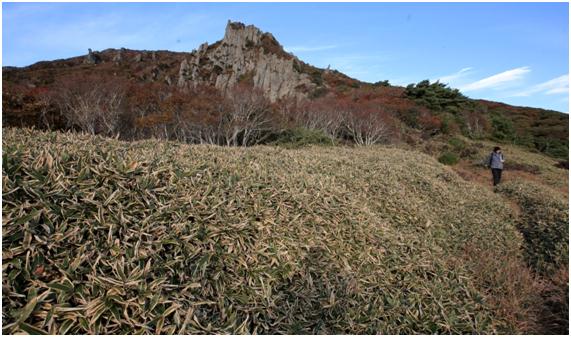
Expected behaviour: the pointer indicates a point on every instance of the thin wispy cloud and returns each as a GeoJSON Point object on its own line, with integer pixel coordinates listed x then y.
{"type": "Point", "coordinates": [99, 30]}
{"type": "Point", "coordinates": [508, 77]}
{"type": "Point", "coordinates": [302, 49]}
{"type": "Point", "coordinates": [455, 76]}
{"type": "Point", "coordinates": [558, 85]}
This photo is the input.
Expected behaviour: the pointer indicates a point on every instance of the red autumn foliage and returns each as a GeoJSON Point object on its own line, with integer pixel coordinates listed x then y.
{"type": "Point", "coordinates": [27, 106]}
{"type": "Point", "coordinates": [358, 117]}
{"type": "Point", "coordinates": [429, 122]}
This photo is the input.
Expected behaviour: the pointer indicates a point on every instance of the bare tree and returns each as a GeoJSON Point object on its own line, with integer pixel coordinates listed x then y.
{"type": "Point", "coordinates": [476, 123]}
{"type": "Point", "coordinates": [45, 101]}
{"type": "Point", "coordinates": [197, 115]}
{"type": "Point", "coordinates": [93, 106]}
{"type": "Point", "coordinates": [327, 115]}
{"type": "Point", "coordinates": [247, 119]}
{"type": "Point", "coordinates": [287, 113]}
{"type": "Point", "coordinates": [109, 112]}
{"type": "Point", "coordinates": [366, 126]}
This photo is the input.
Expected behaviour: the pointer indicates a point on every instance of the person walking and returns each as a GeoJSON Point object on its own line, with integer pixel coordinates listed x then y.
{"type": "Point", "coordinates": [496, 163]}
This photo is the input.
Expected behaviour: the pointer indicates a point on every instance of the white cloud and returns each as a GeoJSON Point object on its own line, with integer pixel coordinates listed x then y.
{"type": "Point", "coordinates": [558, 85]}
{"type": "Point", "coordinates": [498, 80]}
{"type": "Point", "coordinates": [452, 77]}
{"type": "Point", "coordinates": [301, 49]}
{"type": "Point", "coordinates": [561, 90]}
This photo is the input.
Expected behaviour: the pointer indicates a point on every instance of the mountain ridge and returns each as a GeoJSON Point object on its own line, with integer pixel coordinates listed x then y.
{"type": "Point", "coordinates": [248, 56]}
{"type": "Point", "coordinates": [253, 34]}
{"type": "Point", "coordinates": [243, 49]}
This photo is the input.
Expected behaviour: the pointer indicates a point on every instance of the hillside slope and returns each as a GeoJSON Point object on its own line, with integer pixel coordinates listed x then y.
{"type": "Point", "coordinates": [103, 236]}
{"type": "Point", "coordinates": [149, 83]}
{"type": "Point", "coordinates": [244, 54]}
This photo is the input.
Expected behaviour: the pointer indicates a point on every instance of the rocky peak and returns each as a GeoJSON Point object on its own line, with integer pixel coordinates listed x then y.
{"type": "Point", "coordinates": [239, 35]}
{"type": "Point", "coordinates": [246, 54]}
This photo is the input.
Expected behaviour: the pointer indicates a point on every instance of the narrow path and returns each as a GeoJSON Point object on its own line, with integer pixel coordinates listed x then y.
{"type": "Point", "coordinates": [545, 318]}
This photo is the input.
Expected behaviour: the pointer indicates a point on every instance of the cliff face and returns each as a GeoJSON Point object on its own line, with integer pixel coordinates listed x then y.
{"type": "Point", "coordinates": [246, 54]}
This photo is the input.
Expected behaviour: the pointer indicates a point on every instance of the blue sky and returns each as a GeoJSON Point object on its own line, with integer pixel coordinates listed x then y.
{"type": "Point", "coordinates": [516, 53]}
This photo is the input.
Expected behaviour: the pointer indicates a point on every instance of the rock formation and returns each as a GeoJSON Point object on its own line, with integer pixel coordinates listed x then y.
{"type": "Point", "coordinates": [246, 54]}
{"type": "Point", "coordinates": [168, 80]}
{"type": "Point", "coordinates": [184, 73]}
{"type": "Point", "coordinates": [118, 57]}
{"type": "Point", "coordinates": [91, 57]}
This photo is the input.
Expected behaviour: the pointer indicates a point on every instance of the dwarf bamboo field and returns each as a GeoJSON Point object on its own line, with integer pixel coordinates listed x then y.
{"type": "Point", "coordinates": [102, 236]}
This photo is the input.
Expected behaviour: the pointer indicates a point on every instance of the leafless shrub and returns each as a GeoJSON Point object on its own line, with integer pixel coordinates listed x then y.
{"type": "Point", "coordinates": [366, 127]}
{"type": "Point", "coordinates": [92, 105]}
{"type": "Point", "coordinates": [323, 114]}
{"type": "Point", "coordinates": [247, 118]}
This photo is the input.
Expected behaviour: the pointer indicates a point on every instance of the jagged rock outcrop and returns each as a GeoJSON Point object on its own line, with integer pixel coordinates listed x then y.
{"type": "Point", "coordinates": [184, 73]}
{"type": "Point", "coordinates": [246, 54]}
{"type": "Point", "coordinates": [118, 57]}
{"type": "Point", "coordinates": [91, 57]}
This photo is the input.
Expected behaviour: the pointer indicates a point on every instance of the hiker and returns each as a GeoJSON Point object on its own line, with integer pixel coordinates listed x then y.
{"type": "Point", "coordinates": [496, 163]}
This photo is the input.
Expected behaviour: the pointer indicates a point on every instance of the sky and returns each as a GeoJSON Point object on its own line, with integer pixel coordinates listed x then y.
{"type": "Point", "coordinates": [517, 53]}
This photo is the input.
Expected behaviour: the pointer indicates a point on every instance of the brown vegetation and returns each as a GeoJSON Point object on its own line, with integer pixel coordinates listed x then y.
{"type": "Point", "coordinates": [411, 114]}
{"type": "Point", "coordinates": [104, 236]}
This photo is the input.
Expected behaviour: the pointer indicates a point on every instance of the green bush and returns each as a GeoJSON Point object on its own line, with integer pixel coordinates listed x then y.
{"type": "Point", "coordinates": [438, 96]}
{"type": "Point", "coordinates": [316, 77]}
{"type": "Point", "coordinates": [355, 85]}
{"type": "Point", "coordinates": [318, 92]}
{"type": "Point", "coordinates": [462, 148]}
{"type": "Point", "coordinates": [469, 152]}
{"type": "Point", "coordinates": [384, 83]}
{"type": "Point", "coordinates": [299, 137]}
{"type": "Point", "coordinates": [457, 144]}
{"type": "Point", "coordinates": [451, 124]}
{"type": "Point", "coordinates": [410, 117]}
{"type": "Point", "coordinates": [448, 158]}
{"type": "Point", "coordinates": [552, 147]}
{"type": "Point", "coordinates": [503, 128]}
